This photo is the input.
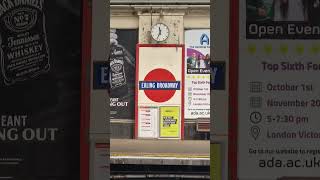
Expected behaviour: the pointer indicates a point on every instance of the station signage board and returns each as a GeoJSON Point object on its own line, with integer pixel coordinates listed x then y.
{"type": "Point", "coordinates": [159, 91]}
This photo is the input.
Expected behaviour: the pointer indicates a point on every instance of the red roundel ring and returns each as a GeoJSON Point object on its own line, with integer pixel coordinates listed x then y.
{"type": "Point", "coordinates": [160, 95]}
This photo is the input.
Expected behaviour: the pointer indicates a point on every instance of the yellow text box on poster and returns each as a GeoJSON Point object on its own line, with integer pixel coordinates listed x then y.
{"type": "Point", "coordinates": [169, 122]}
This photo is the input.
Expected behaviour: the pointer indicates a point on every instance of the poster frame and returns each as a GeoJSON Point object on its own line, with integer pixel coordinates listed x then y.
{"type": "Point", "coordinates": [138, 46]}
{"type": "Point", "coordinates": [233, 88]}
{"type": "Point", "coordinates": [85, 89]}
{"type": "Point", "coordinates": [234, 47]}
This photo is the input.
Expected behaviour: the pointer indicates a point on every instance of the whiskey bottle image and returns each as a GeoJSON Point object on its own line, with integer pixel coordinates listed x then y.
{"type": "Point", "coordinates": [24, 51]}
{"type": "Point", "coordinates": [118, 79]}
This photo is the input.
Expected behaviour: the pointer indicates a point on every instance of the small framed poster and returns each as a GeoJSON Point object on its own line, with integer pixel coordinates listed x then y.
{"type": "Point", "coordinates": [170, 122]}
{"type": "Point", "coordinates": [149, 120]}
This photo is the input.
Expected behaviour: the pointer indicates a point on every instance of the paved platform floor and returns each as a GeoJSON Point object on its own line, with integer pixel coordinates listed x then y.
{"type": "Point", "coordinates": [164, 152]}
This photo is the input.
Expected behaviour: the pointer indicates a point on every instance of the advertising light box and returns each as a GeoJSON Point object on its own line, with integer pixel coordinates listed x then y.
{"type": "Point", "coordinates": [277, 97]}
{"type": "Point", "coordinates": [40, 82]}
{"type": "Point", "coordinates": [197, 70]}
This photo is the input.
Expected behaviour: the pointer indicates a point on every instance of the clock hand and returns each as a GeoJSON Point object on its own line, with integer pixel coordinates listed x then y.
{"type": "Point", "coordinates": [159, 33]}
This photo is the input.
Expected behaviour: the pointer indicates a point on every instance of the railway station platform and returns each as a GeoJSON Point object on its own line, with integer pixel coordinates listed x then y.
{"type": "Point", "coordinates": [160, 152]}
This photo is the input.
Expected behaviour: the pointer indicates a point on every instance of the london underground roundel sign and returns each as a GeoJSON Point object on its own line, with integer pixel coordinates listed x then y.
{"type": "Point", "coordinates": [159, 85]}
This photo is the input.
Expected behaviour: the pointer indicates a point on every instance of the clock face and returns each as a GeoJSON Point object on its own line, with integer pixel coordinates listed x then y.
{"type": "Point", "coordinates": [160, 32]}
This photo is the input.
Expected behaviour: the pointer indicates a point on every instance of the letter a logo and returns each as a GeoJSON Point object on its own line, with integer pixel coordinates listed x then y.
{"type": "Point", "coordinates": [204, 39]}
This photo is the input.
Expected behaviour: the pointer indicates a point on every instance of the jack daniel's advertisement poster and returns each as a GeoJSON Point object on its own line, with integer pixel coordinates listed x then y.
{"type": "Point", "coordinates": [24, 50]}
{"type": "Point", "coordinates": [122, 72]}
{"type": "Point", "coordinates": [40, 45]}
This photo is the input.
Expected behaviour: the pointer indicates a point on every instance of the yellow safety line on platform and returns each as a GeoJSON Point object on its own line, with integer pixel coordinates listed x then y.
{"type": "Point", "coordinates": [160, 155]}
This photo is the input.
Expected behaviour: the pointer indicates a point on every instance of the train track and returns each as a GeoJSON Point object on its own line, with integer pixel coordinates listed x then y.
{"type": "Point", "coordinates": [159, 172]}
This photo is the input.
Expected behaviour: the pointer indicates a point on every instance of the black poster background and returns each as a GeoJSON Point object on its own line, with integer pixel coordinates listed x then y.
{"type": "Point", "coordinates": [50, 100]}
{"type": "Point", "coordinates": [124, 107]}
